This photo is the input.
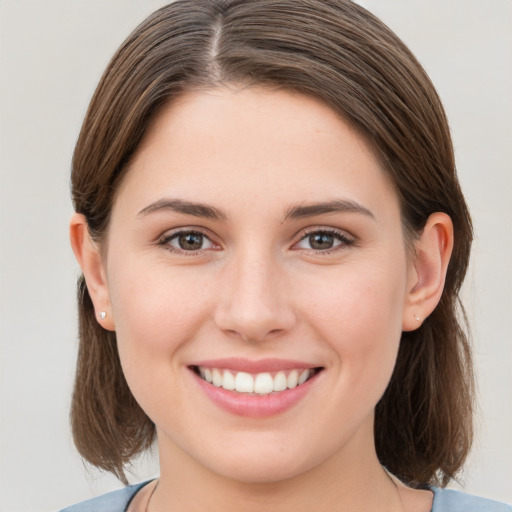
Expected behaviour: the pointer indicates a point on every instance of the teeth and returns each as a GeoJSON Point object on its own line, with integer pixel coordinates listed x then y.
{"type": "Point", "coordinates": [303, 377]}
{"type": "Point", "coordinates": [216, 378]}
{"type": "Point", "coordinates": [292, 380]}
{"type": "Point", "coordinates": [228, 381]}
{"type": "Point", "coordinates": [264, 383]}
{"type": "Point", "coordinates": [261, 383]}
{"type": "Point", "coordinates": [244, 383]}
{"type": "Point", "coordinates": [280, 382]}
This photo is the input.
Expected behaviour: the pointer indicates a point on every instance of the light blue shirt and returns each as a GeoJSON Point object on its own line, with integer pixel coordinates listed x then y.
{"type": "Point", "coordinates": [445, 500]}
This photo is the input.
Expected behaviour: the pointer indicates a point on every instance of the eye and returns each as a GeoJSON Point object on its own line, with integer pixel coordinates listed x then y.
{"type": "Point", "coordinates": [187, 241]}
{"type": "Point", "coordinates": [323, 240]}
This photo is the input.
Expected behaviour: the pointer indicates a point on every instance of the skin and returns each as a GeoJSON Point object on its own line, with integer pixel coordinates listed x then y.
{"type": "Point", "coordinates": [257, 288]}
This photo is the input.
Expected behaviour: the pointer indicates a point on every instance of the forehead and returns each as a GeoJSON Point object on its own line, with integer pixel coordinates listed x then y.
{"type": "Point", "coordinates": [224, 144]}
{"type": "Point", "coordinates": [244, 112]}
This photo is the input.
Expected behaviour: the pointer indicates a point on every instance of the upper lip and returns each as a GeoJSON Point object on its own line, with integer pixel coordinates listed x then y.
{"type": "Point", "coordinates": [254, 366]}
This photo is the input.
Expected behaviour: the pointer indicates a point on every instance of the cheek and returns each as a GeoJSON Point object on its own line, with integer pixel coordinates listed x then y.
{"type": "Point", "coordinates": [361, 298]}
{"type": "Point", "coordinates": [156, 311]}
{"type": "Point", "coordinates": [359, 314]}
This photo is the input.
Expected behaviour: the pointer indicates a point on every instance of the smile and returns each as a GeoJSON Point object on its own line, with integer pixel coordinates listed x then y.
{"type": "Point", "coordinates": [257, 389]}
{"type": "Point", "coordinates": [261, 384]}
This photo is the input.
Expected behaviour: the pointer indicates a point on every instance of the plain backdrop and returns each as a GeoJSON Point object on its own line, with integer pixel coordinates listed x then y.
{"type": "Point", "coordinates": [52, 53]}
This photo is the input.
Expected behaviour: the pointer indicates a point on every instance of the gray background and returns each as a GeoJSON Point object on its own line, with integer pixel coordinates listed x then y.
{"type": "Point", "coordinates": [52, 53]}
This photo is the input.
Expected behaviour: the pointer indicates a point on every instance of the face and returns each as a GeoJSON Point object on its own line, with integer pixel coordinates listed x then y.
{"type": "Point", "coordinates": [256, 243]}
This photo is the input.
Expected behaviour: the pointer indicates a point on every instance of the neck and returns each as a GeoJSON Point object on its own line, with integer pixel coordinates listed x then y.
{"type": "Point", "coordinates": [349, 480]}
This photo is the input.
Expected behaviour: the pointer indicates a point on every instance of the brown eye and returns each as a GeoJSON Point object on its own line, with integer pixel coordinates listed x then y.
{"type": "Point", "coordinates": [188, 241]}
{"type": "Point", "coordinates": [321, 241]}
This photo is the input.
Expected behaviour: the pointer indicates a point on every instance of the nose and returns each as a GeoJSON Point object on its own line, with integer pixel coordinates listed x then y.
{"type": "Point", "coordinates": [255, 302]}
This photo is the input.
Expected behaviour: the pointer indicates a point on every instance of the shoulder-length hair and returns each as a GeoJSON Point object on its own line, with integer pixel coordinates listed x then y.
{"type": "Point", "coordinates": [338, 52]}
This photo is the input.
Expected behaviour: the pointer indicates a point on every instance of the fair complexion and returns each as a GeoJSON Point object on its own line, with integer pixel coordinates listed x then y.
{"type": "Point", "coordinates": [256, 232]}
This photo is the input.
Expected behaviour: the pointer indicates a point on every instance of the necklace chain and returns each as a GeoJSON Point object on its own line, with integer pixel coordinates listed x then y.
{"type": "Point", "coordinates": [150, 496]}
{"type": "Point", "coordinates": [146, 509]}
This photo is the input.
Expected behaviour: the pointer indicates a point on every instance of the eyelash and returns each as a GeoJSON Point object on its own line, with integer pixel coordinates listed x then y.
{"type": "Point", "coordinates": [341, 237]}
{"type": "Point", "coordinates": [165, 240]}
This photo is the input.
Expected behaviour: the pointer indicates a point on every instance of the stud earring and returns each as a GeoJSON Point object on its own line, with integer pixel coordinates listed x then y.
{"type": "Point", "coordinates": [103, 315]}
{"type": "Point", "coordinates": [417, 318]}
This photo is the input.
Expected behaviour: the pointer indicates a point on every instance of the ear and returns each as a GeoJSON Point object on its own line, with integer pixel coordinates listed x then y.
{"type": "Point", "coordinates": [427, 271]}
{"type": "Point", "coordinates": [89, 258]}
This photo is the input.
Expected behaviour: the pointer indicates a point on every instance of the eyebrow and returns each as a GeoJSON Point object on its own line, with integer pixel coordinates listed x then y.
{"type": "Point", "coordinates": [336, 206]}
{"type": "Point", "coordinates": [295, 212]}
{"type": "Point", "coordinates": [186, 207]}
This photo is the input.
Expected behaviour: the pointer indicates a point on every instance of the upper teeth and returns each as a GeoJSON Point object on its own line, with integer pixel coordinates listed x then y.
{"type": "Point", "coordinates": [260, 383]}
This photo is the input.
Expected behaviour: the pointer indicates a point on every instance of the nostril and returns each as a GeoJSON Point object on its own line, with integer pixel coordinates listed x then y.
{"type": "Point", "coordinates": [254, 314]}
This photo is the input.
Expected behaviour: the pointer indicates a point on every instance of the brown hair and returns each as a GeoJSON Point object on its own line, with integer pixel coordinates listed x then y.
{"type": "Point", "coordinates": [336, 51]}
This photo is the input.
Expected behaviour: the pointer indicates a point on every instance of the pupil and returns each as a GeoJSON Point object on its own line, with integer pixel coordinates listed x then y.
{"type": "Point", "coordinates": [321, 241]}
{"type": "Point", "coordinates": [191, 241]}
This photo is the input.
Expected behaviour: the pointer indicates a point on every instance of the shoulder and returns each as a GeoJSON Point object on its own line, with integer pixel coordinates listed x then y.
{"type": "Point", "coordinates": [447, 500]}
{"type": "Point", "coordinates": [116, 501]}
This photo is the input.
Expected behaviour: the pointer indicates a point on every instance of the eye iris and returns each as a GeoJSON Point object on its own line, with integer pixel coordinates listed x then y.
{"type": "Point", "coordinates": [321, 241]}
{"type": "Point", "coordinates": [190, 241]}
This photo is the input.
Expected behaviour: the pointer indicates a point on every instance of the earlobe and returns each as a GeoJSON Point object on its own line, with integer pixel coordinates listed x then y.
{"type": "Point", "coordinates": [428, 270]}
{"type": "Point", "coordinates": [89, 258]}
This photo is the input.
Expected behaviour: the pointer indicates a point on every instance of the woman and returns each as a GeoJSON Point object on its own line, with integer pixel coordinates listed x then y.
{"type": "Point", "coordinates": [273, 238]}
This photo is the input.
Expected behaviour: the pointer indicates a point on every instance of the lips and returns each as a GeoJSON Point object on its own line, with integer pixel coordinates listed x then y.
{"type": "Point", "coordinates": [260, 383]}
{"type": "Point", "coordinates": [255, 388]}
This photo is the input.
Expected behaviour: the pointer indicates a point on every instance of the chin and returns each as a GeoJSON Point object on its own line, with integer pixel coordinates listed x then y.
{"type": "Point", "coordinates": [264, 461]}
{"type": "Point", "coordinates": [259, 471]}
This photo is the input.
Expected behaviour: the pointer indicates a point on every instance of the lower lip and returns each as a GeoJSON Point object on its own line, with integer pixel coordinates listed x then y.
{"type": "Point", "coordinates": [244, 404]}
